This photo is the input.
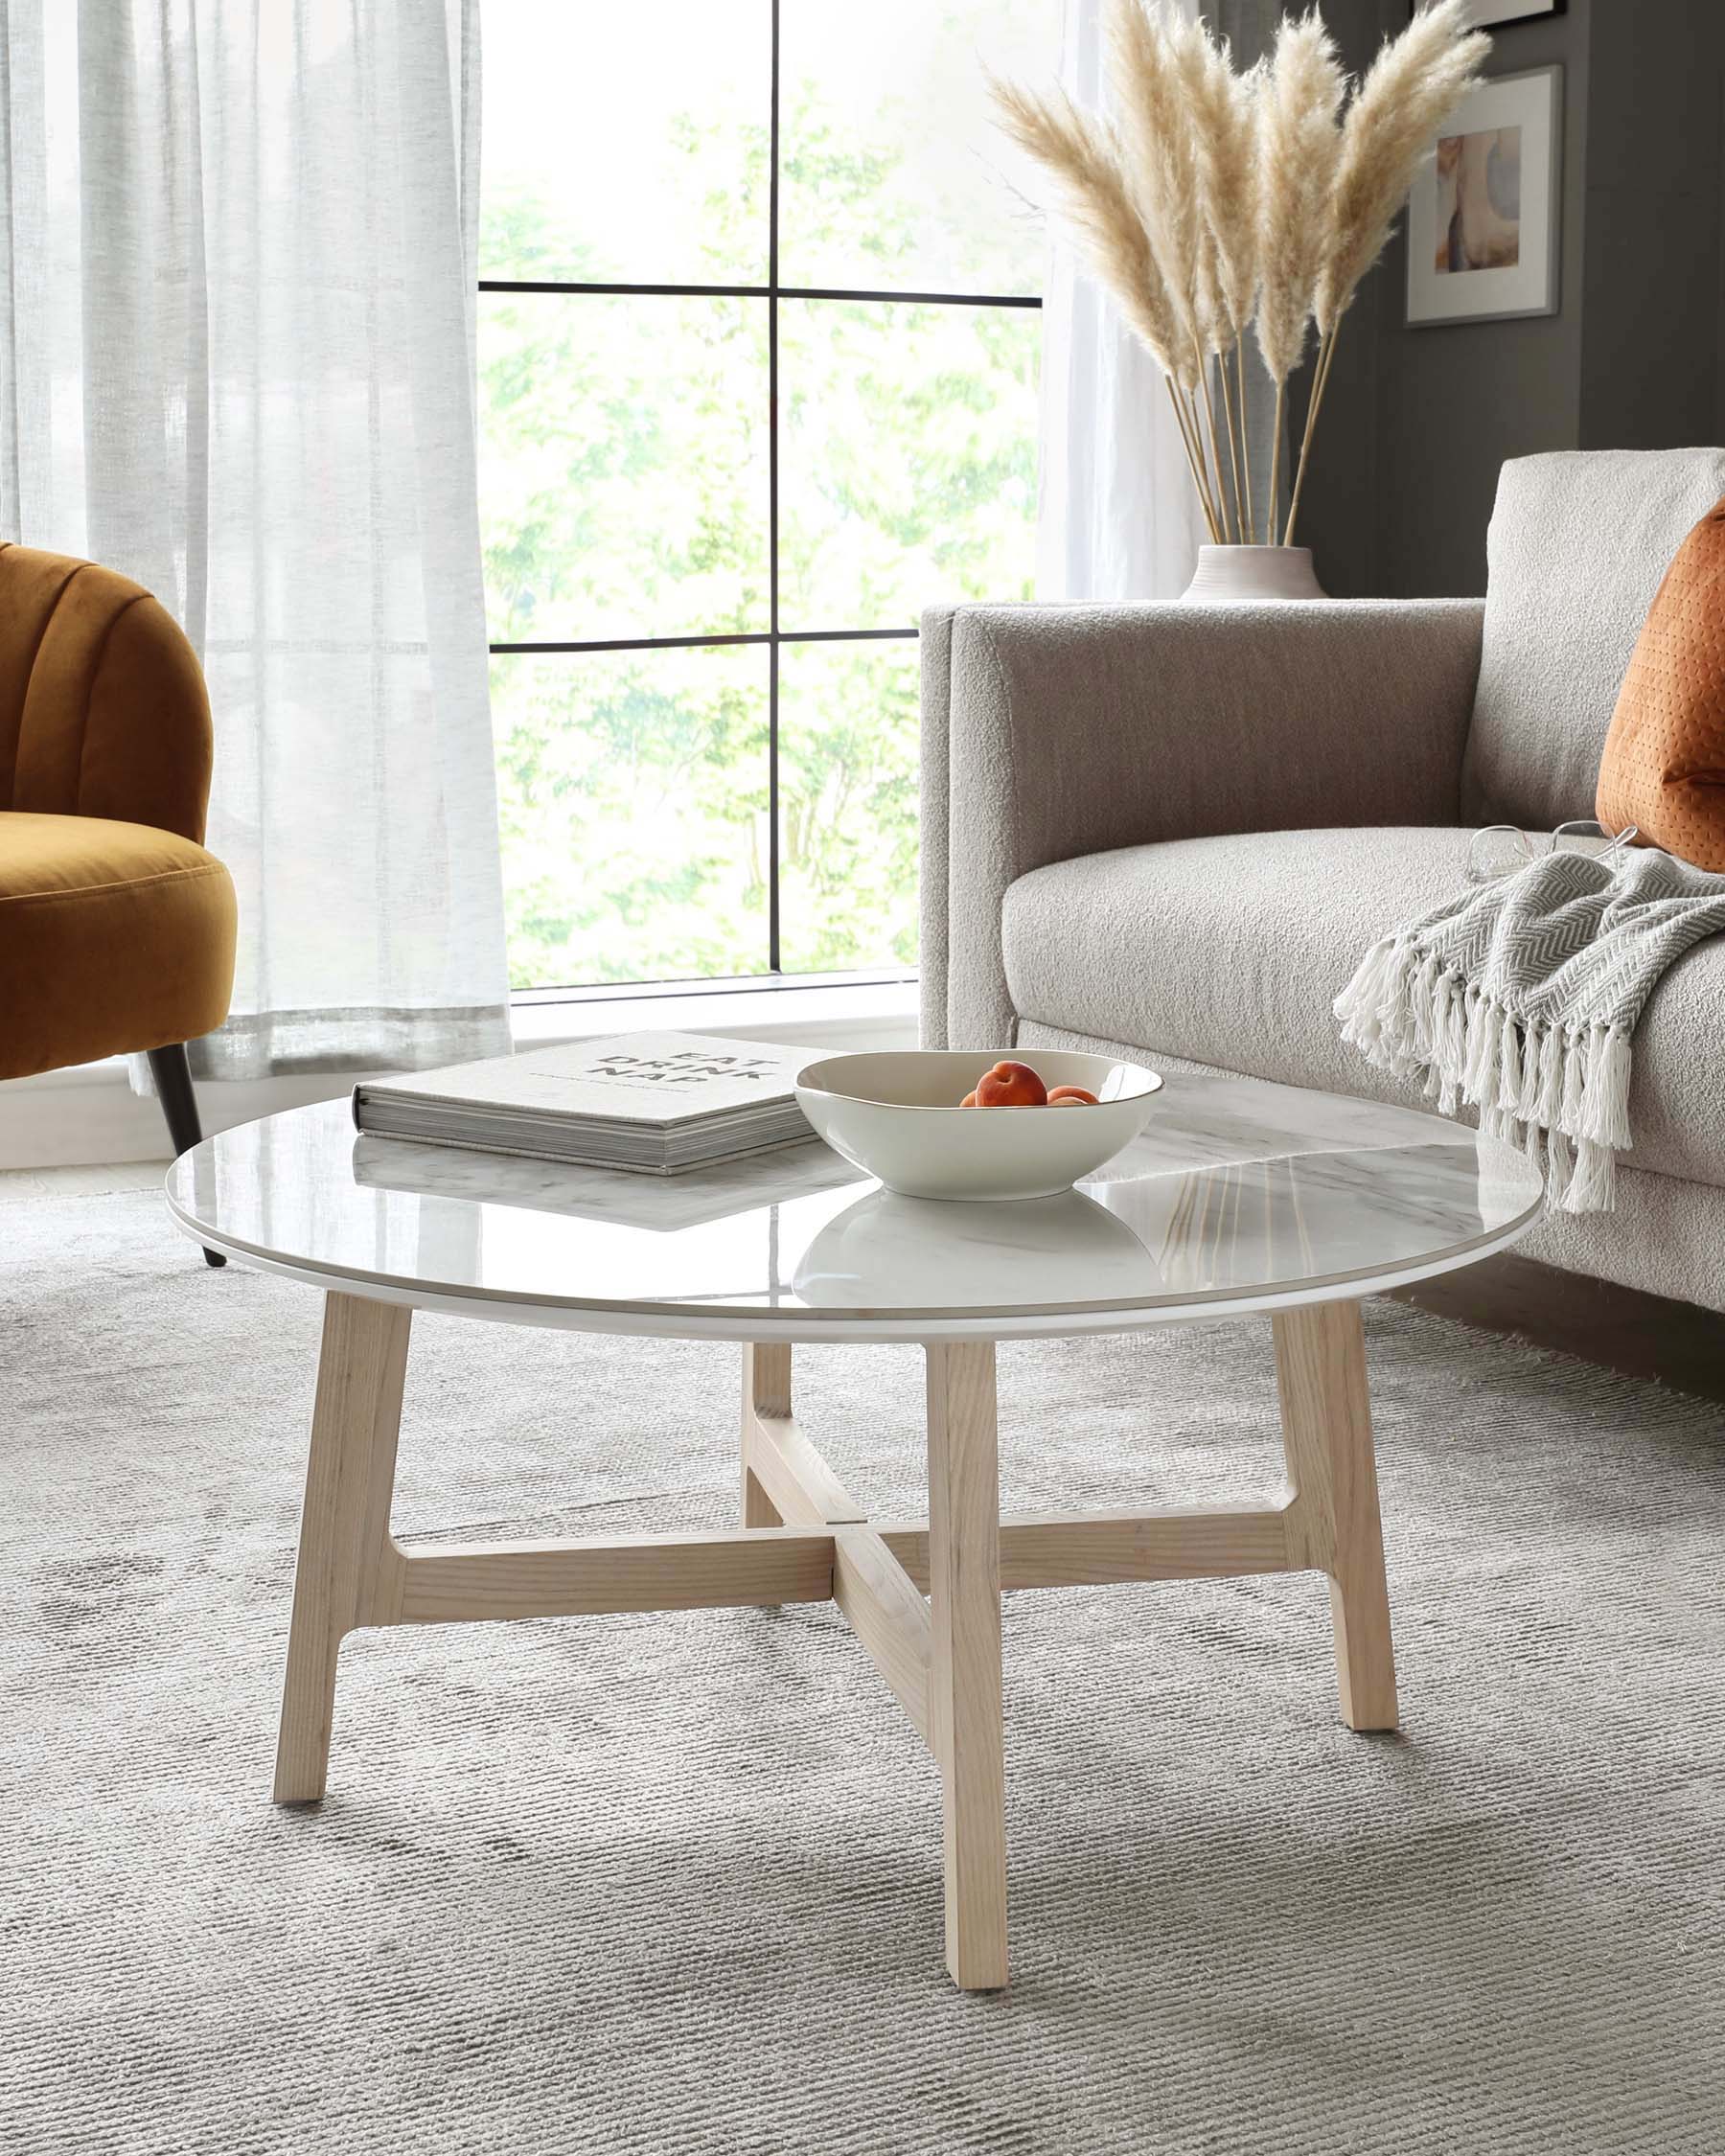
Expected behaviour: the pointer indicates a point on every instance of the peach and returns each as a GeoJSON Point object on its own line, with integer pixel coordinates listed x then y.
{"type": "Point", "coordinates": [1011, 1085]}
{"type": "Point", "coordinates": [1072, 1096]}
{"type": "Point", "coordinates": [969, 1101]}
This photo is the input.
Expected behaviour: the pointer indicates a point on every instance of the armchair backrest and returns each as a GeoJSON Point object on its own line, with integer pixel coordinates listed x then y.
{"type": "Point", "coordinates": [103, 705]}
{"type": "Point", "coordinates": [1578, 544]}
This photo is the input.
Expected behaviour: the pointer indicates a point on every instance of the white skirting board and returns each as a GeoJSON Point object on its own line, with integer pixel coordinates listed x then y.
{"type": "Point", "coordinates": [89, 1116]}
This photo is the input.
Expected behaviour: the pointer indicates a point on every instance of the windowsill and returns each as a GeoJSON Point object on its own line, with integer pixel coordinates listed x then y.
{"type": "Point", "coordinates": [778, 1010]}
{"type": "Point", "coordinates": [541, 1017]}
{"type": "Point", "coordinates": [89, 1115]}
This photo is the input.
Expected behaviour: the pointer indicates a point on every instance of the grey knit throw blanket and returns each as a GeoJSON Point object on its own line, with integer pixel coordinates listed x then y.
{"type": "Point", "coordinates": [1520, 1000]}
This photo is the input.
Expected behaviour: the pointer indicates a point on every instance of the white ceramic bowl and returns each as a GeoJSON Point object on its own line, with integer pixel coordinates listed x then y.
{"type": "Point", "coordinates": [897, 1114]}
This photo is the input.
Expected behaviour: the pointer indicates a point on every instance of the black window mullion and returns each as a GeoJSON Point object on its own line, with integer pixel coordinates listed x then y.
{"type": "Point", "coordinates": [758, 291]}
{"type": "Point", "coordinates": [708, 643]}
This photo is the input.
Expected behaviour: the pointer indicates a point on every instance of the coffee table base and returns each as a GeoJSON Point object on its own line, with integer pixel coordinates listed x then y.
{"type": "Point", "coordinates": [805, 1539]}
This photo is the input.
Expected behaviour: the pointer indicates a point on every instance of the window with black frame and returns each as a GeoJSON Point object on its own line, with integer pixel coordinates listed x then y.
{"type": "Point", "coordinates": [758, 357]}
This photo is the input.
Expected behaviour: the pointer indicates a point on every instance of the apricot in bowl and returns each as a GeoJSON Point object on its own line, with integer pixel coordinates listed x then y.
{"type": "Point", "coordinates": [1011, 1085]}
{"type": "Point", "coordinates": [1016, 1085]}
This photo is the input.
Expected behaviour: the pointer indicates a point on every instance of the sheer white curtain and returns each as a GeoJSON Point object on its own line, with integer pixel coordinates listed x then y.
{"type": "Point", "coordinates": [1116, 514]}
{"type": "Point", "coordinates": [236, 284]}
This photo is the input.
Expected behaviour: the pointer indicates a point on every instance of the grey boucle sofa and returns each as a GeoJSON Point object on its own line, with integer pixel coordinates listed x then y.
{"type": "Point", "coordinates": [1173, 830]}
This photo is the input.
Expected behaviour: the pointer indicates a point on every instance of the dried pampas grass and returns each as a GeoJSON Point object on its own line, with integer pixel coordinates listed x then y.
{"type": "Point", "coordinates": [1414, 86]}
{"type": "Point", "coordinates": [1179, 127]}
{"type": "Point", "coordinates": [1225, 200]}
{"type": "Point", "coordinates": [1147, 42]}
{"type": "Point", "coordinates": [1299, 145]}
{"type": "Point", "coordinates": [1159, 159]}
{"type": "Point", "coordinates": [1087, 161]}
{"type": "Point", "coordinates": [1225, 154]}
{"type": "Point", "coordinates": [1224, 134]}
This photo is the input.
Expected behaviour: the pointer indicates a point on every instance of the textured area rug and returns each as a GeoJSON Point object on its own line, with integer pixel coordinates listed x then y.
{"type": "Point", "coordinates": [672, 1883]}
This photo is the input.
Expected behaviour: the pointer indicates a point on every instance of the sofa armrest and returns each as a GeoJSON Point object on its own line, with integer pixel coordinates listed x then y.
{"type": "Point", "coordinates": [1054, 731]}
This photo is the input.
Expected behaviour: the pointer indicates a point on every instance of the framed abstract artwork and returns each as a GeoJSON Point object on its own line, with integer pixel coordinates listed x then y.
{"type": "Point", "coordinates": [1484, 216]}
{"type": "Point", "coordinates": [1491, 14]}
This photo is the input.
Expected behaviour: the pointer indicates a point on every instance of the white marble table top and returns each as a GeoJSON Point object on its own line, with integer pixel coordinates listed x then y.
{"type": "Point", "coordinates": [1238, 1195]}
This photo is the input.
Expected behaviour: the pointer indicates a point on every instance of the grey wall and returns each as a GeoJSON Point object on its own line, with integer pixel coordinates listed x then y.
{"type": "Point", "coordinates": [1650, 372]}
{"type": "Point", "coordinates": [1417, 422]}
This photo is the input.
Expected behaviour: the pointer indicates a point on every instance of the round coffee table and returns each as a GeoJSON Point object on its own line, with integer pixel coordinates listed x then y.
{"type": "Point", "coordinates": [1239, 1197]}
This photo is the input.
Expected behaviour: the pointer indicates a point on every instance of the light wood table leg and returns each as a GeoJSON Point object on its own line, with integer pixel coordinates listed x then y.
{"type": "Point", "coordinates": [349, 1571]}
{"type": "Point", "coordinates": [766, 1391]}
{"type": "Point", "coordinates": [964, 1692]}
{"type": "Point", "coordinates": [1326, 1435]}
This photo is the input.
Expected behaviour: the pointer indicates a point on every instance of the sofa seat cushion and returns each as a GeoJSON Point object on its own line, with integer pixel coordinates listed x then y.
{"type": "Point", "coordinates": [114, 937]}
{"type": "Point", "coordinates": [1231, 951]}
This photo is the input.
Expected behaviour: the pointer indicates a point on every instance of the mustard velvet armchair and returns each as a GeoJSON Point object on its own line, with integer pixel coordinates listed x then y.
{"type": "Point", "coordinates": [116, 927]}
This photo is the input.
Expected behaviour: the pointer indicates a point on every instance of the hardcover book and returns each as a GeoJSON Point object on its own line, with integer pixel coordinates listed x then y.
{"type": "Point", "coordinates": [656, 1103]}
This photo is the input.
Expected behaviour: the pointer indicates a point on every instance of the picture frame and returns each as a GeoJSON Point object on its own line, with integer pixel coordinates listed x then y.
{"type": "Point", "coordinates": [1499, 14]}
{"type": "Point", "coordinates": [1484, 217]}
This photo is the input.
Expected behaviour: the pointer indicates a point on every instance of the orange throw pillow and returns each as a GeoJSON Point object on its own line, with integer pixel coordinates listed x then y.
{"type": "Point", "coordinates": [1663, 765]}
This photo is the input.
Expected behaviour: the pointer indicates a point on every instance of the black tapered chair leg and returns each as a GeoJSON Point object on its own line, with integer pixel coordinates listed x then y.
{"type": "Point", "coordinates": [172, 1072]}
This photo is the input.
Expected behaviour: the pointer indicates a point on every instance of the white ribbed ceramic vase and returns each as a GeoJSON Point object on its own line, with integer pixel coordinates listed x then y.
{"type": "Point", "coordinates": [1240, 576]}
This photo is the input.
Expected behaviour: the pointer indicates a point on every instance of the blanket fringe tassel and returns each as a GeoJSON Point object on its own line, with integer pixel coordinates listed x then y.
{"type": "Point", "coordinates": [1561, 1093]}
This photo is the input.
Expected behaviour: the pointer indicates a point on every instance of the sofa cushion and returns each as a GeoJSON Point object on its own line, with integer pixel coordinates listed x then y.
{"type": "Point", "coordinates": [1664, 767]}
{"type": "Point", "coordinates": [114, 937]}
{"type": "Point", "coordinates": [1230, 952]}
{"type": "Point", "coordinates": [1577, 546]}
